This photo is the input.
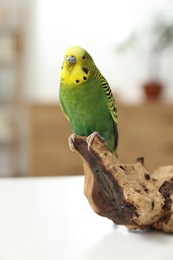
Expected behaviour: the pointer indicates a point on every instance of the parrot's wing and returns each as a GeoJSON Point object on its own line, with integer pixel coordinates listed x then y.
{"type": "Point", "coordinates": [63, 107]}
{"type": "Point", "coordinates": [113, 109]}
{"type": "Point", "coordinates": [111, 100]}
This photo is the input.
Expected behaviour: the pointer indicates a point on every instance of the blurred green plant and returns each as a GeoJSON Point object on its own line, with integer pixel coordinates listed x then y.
{"type": "Point", "coordinates": [159, 33]}
{"type": "Point", "coordinates": [150, 42]}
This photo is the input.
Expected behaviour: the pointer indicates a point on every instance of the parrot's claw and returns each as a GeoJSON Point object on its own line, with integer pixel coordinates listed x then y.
{"type": "Point", "coordinates": [90, 139]}
{"type": "Point", "coordinates": [71, 140]}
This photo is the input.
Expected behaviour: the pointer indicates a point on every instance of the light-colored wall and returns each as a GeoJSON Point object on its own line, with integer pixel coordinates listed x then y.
{"type": "Point", "coordinates": [52, 26]}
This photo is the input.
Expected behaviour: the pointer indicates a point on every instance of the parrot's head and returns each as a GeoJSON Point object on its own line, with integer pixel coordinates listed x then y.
{"type": "Point", "coordinates": [77, 66]}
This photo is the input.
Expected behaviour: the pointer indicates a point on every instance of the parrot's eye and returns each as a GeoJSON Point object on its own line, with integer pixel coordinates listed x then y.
{"type": "Point", "coordinates": [83, 57]}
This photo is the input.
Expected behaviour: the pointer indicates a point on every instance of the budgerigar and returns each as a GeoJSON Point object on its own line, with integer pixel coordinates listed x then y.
{"type": "Point", "coordinates": [86, 98]}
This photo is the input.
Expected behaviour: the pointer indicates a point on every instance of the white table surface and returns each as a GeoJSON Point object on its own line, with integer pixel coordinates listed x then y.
{"type": "Point", "coordinates": [50, 218]}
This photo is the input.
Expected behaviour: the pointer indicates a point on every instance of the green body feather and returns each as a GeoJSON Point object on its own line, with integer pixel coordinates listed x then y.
{"type": "Point", "coordinates": [87, 108]}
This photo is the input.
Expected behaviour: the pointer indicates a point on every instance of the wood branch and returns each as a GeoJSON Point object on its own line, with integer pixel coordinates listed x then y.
{"type": "Point", "coordinates": [128, 194]}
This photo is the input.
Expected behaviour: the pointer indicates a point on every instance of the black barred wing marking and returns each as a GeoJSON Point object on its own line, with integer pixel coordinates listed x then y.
{"type": "Point", "coordinates": [111, 100]}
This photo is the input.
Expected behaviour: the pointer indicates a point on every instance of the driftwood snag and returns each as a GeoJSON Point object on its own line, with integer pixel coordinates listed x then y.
{"type": "Point", "coordinates": [126, 193]}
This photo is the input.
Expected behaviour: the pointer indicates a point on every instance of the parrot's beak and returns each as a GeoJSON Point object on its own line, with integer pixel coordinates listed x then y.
{"type": "Point", "coordinates": [70, 61]}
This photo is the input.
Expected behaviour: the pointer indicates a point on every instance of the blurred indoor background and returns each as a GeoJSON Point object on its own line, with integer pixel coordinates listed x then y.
{"type": "Point", "coordinates": [131, 43]}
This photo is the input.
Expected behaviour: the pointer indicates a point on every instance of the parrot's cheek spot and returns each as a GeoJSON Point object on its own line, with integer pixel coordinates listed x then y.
{"type": "Point", "coordinates": [85, 70]}
{"type": "Point", "coordinates": [77, 81]}
{"type": "Point", "coordinates": [85, 78]}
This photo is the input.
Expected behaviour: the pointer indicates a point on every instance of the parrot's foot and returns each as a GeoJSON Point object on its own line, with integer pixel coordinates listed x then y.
{"type": "Point", "coordinates": [71, 140]}
{"type": "Point", "coordinates": [91, 137]}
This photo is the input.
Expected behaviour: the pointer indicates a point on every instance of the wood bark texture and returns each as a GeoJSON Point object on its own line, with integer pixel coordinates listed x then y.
{"type": "Point", "coordinates": [128, 194]}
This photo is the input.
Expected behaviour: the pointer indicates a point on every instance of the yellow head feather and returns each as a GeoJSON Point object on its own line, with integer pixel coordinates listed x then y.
{"type": "Point", "coordinates": [77, 66]}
